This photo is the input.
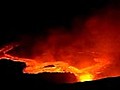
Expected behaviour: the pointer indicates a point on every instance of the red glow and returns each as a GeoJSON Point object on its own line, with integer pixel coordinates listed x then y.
{"type": "Point", "coordinates": [90, 52]}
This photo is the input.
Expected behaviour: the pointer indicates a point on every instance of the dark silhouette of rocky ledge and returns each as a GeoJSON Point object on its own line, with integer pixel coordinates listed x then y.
{"type": "Point", "coordinates": [12, 77]}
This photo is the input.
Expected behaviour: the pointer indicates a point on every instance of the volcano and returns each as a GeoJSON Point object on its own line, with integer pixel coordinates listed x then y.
{"type": "Point", "coordinates": [66, 48]}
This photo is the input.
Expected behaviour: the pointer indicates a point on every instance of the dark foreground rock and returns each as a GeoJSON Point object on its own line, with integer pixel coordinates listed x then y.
{"type": "Point", "coordinates": [12, 77]}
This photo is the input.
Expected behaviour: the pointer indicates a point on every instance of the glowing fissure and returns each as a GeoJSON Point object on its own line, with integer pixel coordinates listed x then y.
{"type": "Point", "coordinates": [34, 67]}
{"type": "Point", "coordinates": [90, 50]}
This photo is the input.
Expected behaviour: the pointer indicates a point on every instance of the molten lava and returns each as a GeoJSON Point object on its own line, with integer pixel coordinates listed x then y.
{"type": "Point", "coordinates": [86, 77]}
{"type": "Point", "coordinates": [90, 50]}
{"type": "Point", "coordinates": [34, 67]}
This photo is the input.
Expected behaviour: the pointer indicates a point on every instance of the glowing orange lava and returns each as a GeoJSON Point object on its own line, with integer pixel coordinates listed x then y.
{"type": "Point", "coordinates": [34, 67]}
{"type": "Point", "coordinates": [89, 51]}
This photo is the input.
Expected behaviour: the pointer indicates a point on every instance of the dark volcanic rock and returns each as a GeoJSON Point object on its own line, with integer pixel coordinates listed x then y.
{"type": "Point", "coordinates": [57, 78]}
{"type": "Point", "coordinates": [11, 75]}
{"type": "Point", "coordinates": [10, 69]}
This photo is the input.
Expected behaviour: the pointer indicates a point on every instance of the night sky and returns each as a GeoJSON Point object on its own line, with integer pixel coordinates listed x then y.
{"type": "Point", "coordinates": [34, 20]}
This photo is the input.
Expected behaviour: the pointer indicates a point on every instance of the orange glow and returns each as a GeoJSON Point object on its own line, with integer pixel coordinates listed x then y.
{"type": "Point", "coordinates": [90, 53]}
{"type": "Point", "coordinates": [86, 77]}
{"type": "Point", "coordinates": [34, 67]}
{"type": "Point", "coordinates": [88, 73]}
